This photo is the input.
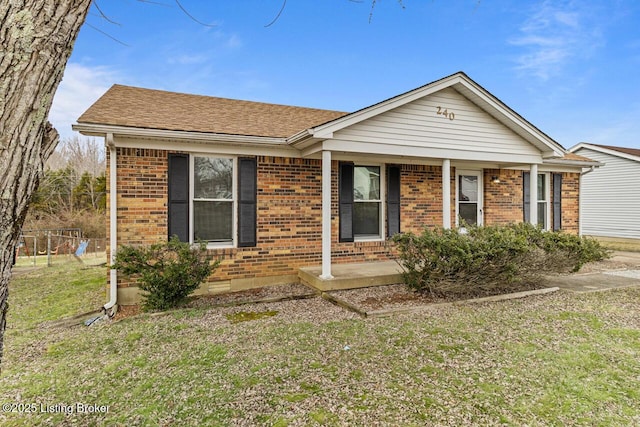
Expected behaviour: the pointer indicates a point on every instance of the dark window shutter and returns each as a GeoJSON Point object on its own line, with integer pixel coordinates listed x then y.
{"type": "Point", "coordinates": [178, 209]}
{"type": "Point", "coordinates": [557, 201]}
{"type": "Point", "coordinates": [393, 200]}
{"type": "Point", "coordinates": [247, 201]}
{"type": "Point", "coordinates": [527, 197]}
{"type": "Point", "coordinates": [345, 195]}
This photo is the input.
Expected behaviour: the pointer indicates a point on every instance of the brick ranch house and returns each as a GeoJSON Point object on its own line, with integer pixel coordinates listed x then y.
{"type": "Point", "coordinates": [274, 189]}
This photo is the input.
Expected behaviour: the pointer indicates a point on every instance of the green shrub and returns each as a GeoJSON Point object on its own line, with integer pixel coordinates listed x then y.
{"type": "Point", "coordinates": [489, 260]}
{"type": "Point", "coordinates": [168, 272]}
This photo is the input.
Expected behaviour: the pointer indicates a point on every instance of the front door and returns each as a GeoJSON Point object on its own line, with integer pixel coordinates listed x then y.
{"type": "Point", "coordinates": [469, 197]}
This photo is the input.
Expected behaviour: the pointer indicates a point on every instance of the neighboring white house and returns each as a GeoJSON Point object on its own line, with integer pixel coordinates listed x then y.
{"type": "Point", "coordinates": [610, 194]}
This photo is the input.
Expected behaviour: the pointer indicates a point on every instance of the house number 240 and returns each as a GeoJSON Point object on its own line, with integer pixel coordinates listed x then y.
{"type": "Point", "coordinates": [445, 113]}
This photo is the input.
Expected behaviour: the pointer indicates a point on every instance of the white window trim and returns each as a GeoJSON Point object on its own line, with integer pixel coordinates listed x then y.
{"type": "Point", "coordinates": [480, 174]}
{"type": "Point", "coordinates": [383, 188]}
{"type": "Point", "coordinates": [547, 199]}
{"type": "Point", "coordinates": [234, 200]}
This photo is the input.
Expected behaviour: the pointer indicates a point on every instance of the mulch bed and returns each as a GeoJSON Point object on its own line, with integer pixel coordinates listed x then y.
{"type": "Point", "coordinates": [361, 300]}
{"type": "Point", "coordinates": [274, 293]}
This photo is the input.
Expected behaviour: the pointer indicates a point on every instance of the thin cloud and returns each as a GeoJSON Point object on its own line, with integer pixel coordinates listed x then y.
{"type": "Point", "coordinates": [187, 59]}
{"type": "Point", "coordinates": [556, 34]}
{"type": "Point", "coordinates": [81, 86]}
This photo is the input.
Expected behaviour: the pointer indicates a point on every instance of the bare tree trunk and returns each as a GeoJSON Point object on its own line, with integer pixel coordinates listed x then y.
{"type": "Point", "coordinates": [36, 39]}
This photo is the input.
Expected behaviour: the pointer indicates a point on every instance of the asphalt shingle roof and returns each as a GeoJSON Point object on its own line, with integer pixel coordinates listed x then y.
{"type": "Point", "coordinates": [625, 150]}
{"type": "Point", "coordinates": [157, 109]}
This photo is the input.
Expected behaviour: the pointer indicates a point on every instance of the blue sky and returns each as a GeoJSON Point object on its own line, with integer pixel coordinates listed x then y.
{"type": "Point", "coordinates": [572, 68]}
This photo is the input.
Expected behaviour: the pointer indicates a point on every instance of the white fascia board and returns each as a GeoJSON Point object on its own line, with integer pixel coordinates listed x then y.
{"type": "Point", "coordinates": [102, 130]}
{"type": "Point", "coordinates": [128, 137]}
{"type": "Point", "coordinates": [569, 162]}
{"type": "Point", "coordinates": [428, 153]}
{"type": "Point", "coordinates": [588, 146]}
{"type": "Point", "coordinates": [299, 137]}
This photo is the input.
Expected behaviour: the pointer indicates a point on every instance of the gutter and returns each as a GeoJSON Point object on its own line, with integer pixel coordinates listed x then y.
{"type": "Point", "coordinates": [94, 129]}
{"type": "Point", "coordinates": [113, 231]}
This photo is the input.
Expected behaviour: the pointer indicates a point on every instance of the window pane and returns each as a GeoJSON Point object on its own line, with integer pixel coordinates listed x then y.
{"type": "Point", "coordinates": [212, 178]}
{"type": "Point", "coordinates": [468, 212]}
{"type": "Point", "coordinates": [212, 221]}
{"type": "Point", "coordinates": [366, 219]}
{"type": "Point", "coordinates": [468, 187]}
{"type": "Point", "coordinates": [542, 215]}
{"type": "Point", "coordinates": [542, 187]}
{"type": "Point", "coordinates": [366, 183]}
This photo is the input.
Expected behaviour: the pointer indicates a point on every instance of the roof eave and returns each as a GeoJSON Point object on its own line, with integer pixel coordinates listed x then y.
{"type": "Point", "coordinates": [93, 129]}
{"type": "Point", "coordinates": [578, 163]}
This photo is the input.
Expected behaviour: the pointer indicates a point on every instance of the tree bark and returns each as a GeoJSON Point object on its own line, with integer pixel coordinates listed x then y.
{"type": "Point", "coordinates": [36, 38]}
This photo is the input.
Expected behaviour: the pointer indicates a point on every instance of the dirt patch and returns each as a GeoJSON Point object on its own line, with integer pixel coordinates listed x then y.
{"type": "Point", "coordinates": [125, 311]}
{"type": "Point", "coordinates": [264, 294]}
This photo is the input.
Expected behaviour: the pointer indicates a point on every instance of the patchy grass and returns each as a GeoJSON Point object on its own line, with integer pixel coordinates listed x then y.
{"type": "Point", "coordinates": [562, 359]}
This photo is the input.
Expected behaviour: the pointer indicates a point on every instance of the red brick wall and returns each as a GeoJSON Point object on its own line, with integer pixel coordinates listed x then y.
{"type": "Point", "coordinates": [570, 202]}
{"type": "Point", "coordinates": [421, 197]}
{"type": "Point", "coordinates": [503, 201]}
{"type": "Point", "coordinates": [289, 207]}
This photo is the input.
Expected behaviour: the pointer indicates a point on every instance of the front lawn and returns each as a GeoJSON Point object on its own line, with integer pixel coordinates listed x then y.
{"type": "Point", "coordinates": [559, 359]}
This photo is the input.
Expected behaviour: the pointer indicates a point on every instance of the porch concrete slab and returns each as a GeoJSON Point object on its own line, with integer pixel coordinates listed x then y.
{"type": "Point", "coordinates": [596, 281]}
{"type": "Point", "coordinates": [352, 276]}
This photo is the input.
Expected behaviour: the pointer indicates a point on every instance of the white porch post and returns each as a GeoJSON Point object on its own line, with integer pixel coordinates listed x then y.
{"type": "Point", "coordinates": [326, 216]}
{"type": "Point", "coordinates": [533, 194]}
{"type": "Point", "coordinates": [446, 193]}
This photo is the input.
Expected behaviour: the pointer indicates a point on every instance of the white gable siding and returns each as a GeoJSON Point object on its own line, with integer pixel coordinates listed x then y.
{"type": "Point", "coordinates": [417, 124]}
{"type": "Point", "coordinates": [611, 197]}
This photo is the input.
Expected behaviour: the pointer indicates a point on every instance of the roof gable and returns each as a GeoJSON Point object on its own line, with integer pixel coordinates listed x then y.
{"type": "Point", "coordinates": [155, 109]}
{"type": "Point", "coordinates": [444, 120]}
{"type": "Point", "coordinates": [466, 87]}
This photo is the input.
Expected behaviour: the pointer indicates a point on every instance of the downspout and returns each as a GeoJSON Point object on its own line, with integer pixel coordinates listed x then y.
{"type": "Point", "coordinates": [583, 173]}
{"type": "Point", "coordinates": [113, 232]}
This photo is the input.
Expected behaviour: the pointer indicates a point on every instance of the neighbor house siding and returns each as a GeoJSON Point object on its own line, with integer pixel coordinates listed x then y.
{"type": "Point", "coordinates": [417, 124]}
{"type": "Point", "coordinates": [611, 200]}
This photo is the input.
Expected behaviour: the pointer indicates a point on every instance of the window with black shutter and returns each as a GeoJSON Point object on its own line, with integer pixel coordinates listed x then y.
{"type": "Point", "coordinates": [345, 202]}
{"type": "Point", "coordinates": [543, 198]}
{"type": "Point", "coordinates": [393, 200]}
{"type": "Point", "coordinates": [207, 194]}
{"type": "Point", "coordinates": [247, 201]}
{"type": "Point", "coordinates": [557, 201]}
{"type": "Point", "coordinates": [178, 197]}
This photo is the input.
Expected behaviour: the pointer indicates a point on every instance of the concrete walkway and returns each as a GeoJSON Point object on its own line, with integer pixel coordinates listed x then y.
{"type": "Point", "coordinates": [624, 272]}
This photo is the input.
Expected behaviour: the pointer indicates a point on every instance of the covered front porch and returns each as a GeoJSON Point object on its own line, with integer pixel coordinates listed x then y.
{"type": "Point", "coordinates": [460, 188]}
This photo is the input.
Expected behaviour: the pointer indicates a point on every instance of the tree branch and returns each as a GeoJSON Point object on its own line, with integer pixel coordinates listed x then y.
{"type": "Point", "coordinates": [191, 16]}
{"type": "Point", "coordinates": [284, 3]}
